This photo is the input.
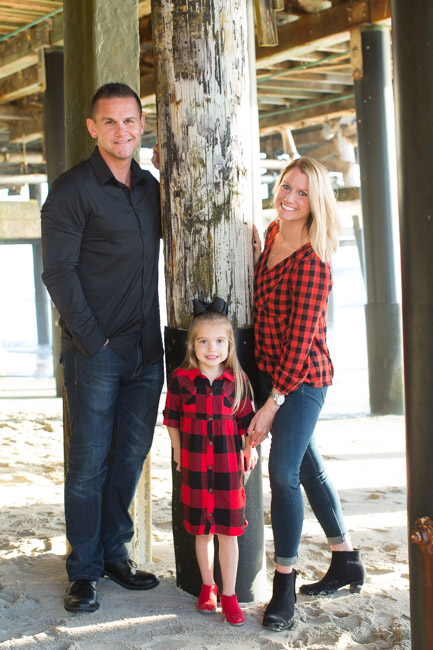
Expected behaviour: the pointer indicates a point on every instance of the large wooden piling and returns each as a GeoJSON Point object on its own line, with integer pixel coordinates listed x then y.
{"type": "Point", "coordinates": [204, 134]}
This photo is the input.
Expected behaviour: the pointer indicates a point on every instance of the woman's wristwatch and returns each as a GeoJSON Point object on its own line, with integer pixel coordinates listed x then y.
{"type": "Point", "coordinates": [278, 399]}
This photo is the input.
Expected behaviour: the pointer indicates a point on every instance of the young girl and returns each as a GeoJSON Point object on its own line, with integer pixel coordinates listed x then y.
{"type": "Point", "coordinates": [207, 413]}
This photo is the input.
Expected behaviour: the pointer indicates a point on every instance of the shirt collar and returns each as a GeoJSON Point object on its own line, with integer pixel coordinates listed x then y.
{"type": "Point", "coordinates": [193, 373]}
{"type": "Point", "coordinates": [104, 174]}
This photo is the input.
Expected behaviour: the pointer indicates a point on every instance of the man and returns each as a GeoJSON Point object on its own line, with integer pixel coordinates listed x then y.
{"type": "Point", "coordinates": [100, 238]}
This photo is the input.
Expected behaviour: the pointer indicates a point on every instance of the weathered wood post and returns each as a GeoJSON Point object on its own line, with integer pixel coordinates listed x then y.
{"type": "Point", "coordinates": [202, 83]}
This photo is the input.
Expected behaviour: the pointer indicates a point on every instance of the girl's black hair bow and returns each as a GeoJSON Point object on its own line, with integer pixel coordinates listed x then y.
{"type": "Point", "coordinates": [217, 305]}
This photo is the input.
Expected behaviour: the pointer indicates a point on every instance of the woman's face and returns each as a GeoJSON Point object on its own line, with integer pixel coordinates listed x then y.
{"type": "Point", "coordinates": [291, 200]}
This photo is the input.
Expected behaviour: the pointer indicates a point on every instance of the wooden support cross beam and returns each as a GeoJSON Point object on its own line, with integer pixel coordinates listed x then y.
{"type": "Point", "coordinates": [267, 34]}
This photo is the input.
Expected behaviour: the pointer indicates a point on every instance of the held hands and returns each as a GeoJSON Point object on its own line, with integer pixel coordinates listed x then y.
{"type": "Point", "coordinates": [261, 423]}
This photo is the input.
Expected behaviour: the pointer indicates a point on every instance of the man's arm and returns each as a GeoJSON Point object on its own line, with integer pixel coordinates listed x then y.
{"type": "Point", "coordinates": [63, 223]}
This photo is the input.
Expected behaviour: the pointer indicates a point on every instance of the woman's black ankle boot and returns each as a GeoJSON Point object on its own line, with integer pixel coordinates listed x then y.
{"type": "Point", "coordinates": [281, 609]}
{"type": "Point", "coordinates": [346, 569]}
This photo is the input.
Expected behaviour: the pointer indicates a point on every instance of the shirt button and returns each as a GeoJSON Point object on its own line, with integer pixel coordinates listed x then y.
{"type": "Point", "coordinates": [210, 467]}
{"type": "Point", "coordinates": [210, 443]}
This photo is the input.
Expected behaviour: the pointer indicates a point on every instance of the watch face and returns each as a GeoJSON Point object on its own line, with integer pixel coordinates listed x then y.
{"type": "Point", "coordinates": [278, 399]}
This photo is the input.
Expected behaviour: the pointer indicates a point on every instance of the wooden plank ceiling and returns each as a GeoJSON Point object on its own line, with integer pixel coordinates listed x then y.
{"type": "Point", "coordinates": [303, 62]}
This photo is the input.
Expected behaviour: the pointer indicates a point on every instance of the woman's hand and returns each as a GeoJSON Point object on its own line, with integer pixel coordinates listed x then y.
{"type": "Point", "coordinates": [155, 156]}
{"type": "Point", "coordinates": [257, 245]}
{"type": "Point", "coordinates": [261, 423]}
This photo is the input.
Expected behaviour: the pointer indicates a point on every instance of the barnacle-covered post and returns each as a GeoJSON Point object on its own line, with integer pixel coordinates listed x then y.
{"type": "Point", "coordinates": [204, 135]}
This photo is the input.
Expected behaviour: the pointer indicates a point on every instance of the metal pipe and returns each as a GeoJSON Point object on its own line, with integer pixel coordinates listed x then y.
{"type": "Point", "coordinates": [304, 66]}
{"type": "Point", "coordinates": [30, 25]}
{"type": "Point", "coordinates": [340, 98]}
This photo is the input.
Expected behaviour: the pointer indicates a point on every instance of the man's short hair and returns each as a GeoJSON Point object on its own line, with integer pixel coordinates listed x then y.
{"type": "Point", "coordinates": [114, 89]}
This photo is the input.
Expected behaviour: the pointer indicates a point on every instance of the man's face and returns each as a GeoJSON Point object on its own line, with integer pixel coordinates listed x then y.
{"type": "Point", "coordinates": [117, 125]}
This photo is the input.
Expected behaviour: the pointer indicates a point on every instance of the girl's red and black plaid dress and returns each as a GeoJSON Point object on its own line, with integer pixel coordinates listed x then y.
{"type": "Point", "coordinates": [212, 491]}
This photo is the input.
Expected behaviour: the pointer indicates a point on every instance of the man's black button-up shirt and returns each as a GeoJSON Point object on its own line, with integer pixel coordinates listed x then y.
{"type": "Point", "coordinates": [100, 244]}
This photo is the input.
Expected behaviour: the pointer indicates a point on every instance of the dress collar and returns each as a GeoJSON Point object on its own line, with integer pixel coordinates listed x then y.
{"type": "Point", "coordinates": [193, 373]}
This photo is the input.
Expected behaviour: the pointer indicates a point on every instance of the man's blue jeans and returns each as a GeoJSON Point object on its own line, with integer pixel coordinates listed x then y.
{"type": "Point", "coordinates": [295, 459]}
{"type": "Point", "coordinates": [113, 405]}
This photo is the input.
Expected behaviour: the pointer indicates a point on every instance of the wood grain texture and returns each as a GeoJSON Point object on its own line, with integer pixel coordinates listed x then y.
{"type": "Point", "coordinates": [204, 139]}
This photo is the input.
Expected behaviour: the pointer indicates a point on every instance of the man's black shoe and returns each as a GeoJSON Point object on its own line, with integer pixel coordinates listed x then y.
{"type": "Point", "coordinates": [126, 575]}
{"type": "Point", "coordinates": [81, 596]}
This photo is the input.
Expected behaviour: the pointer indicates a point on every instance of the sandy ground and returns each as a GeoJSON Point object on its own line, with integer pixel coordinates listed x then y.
{"type": "Point", "coordinates": [365, 457]}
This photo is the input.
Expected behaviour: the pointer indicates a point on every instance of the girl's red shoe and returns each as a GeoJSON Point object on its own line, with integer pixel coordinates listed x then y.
{"type": "Point", "coordinates": [233, 613]}
{"type": "Point", "coordinates": [207, 601]}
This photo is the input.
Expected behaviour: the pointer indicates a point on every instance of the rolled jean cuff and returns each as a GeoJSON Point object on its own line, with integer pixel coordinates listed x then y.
{"type": "Point", "coordinates": [286, 561]}
{"type": "Point", "coordinates": [337, 540]}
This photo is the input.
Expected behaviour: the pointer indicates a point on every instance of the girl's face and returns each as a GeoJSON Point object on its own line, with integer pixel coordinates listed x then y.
{"type": "Point", "coordinates": [291, 200]}
{"type": "Point", "coordinates": [211, 346]}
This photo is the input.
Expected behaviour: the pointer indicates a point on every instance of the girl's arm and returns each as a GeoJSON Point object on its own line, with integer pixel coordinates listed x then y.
{"type": "Point", "coordinates": [244, 416]}
{"type": "Point", "coordinates": [175, 443]}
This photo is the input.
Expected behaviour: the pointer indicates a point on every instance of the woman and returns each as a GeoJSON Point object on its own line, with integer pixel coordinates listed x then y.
{"type": "Point", "coordinates": [292, 284]}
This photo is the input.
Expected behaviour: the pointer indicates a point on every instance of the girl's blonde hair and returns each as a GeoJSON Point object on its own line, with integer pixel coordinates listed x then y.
{"type": "Point", "coordinates": [242, 385]}
{"type": "Point", "coordinates": [324, 225]}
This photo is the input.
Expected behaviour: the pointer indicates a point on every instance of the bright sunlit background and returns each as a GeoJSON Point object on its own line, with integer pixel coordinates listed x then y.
{"type": "Point", "coordinates": [21, 356]}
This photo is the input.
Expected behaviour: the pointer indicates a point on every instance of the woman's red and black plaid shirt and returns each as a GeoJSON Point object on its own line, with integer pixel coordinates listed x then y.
{"type": "Point", "coordinates": [212, 491]}
{"type": "Point", "coordinates": [290, 317]}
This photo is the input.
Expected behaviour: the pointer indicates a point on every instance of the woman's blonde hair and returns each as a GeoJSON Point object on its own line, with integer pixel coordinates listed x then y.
{"type": "Point", "coordinates": [324, 225]}
{"type": "Point", "coordinates": [242, 385]}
